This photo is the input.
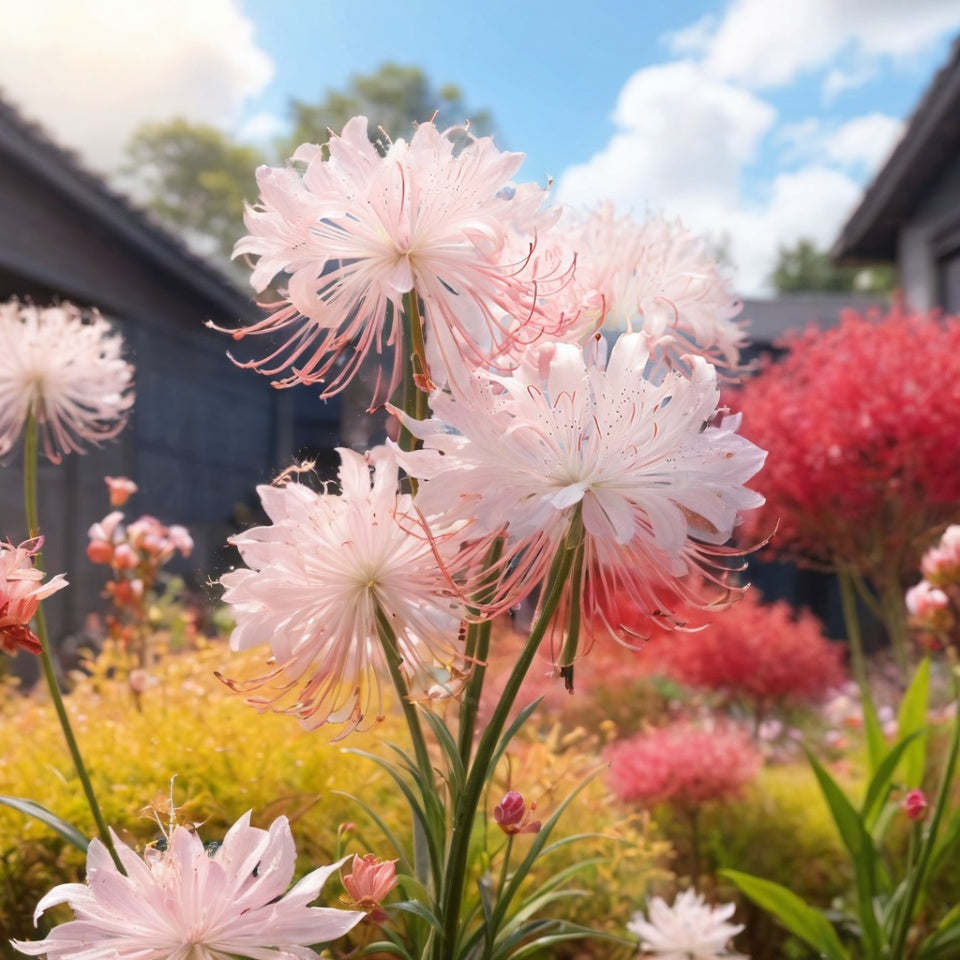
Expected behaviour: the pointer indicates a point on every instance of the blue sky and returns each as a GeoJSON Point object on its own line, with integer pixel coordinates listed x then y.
{"type": "Point", "coordinates": [756, 122]}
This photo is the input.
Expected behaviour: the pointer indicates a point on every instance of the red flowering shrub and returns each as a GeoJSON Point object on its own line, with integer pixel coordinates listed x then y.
{"type": "Point", "coordinates": [756, 651]}
{"type": "Point", "coordinates": [683, 764]}
{"type": "Point", "coordinates": [861, 427]}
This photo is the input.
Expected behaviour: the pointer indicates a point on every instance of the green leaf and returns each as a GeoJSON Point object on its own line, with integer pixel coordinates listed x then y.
{"type": "Point", "coordinates": [880, 784]}
{"type": "Point", "coordinates": [418, 910]}
{"type": "Point", "coordinates": [873, 731]}
{"type": "Point", "coordinates": [801, 920]}
{"type": "Point", "coordinates": [944, 942]}
{"type": "Point", "coordinates": [33, 809]}
{"type": "Point", "coordinates": [859, 844]}
{"type": "Point", "coordinates": [912, 719]}
{"type": "Point", "coordinates": [406, 865]}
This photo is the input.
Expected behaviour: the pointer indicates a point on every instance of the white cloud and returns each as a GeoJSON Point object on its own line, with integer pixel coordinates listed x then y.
{"type": "Point", "coordinates": [764, 44]}
{"type": "Point", "coordinates": [860, 145]}
{"type": "Point", "coordinates": [90, 71]}
{"type": "Point", "coordinates": [864, 142]}
{"type": "Point", "coordinates": [261, 128]}
{"type": "Point", "coordinates": [840, 79]}
{"type": "Point", "coordinates": [682, 143]}
{"type": "Point", "coordinates": [694, 39]}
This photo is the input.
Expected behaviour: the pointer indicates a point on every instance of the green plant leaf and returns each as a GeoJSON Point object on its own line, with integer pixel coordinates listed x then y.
{"type": "Point", "coordinates": [33, 809]}
{"type": "Point", "coordinates": [880, 784]}
{"type": "Point", "coordinates": [944, 942]}
{"type": "Point", "coordinates": [873, 732]}
{"type": "Point", "coordinates": [800, 919]}
{"type": "Point", "coordinates": [860, 846]}
{"type": "Point", "coordinates": [912, 719]}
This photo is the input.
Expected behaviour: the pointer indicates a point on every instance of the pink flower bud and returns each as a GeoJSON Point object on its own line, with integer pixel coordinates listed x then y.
{"type": "Point", "coordinates": [915, 805]}
{"type": "Point", "coordinates": [369, 883]}
{"type": "Point", "coordinates": [512, 816]}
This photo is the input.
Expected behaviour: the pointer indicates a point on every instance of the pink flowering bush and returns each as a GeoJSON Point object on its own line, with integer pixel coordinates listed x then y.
{"type": "Point", "coordinates": [763, 653]}
{"type": "Point", "coordinates": [682, 764]}
{"type": "Point", "coordinates": [859, 422]}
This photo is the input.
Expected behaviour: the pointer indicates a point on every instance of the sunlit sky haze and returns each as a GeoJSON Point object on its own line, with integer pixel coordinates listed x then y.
{"type": "Point", "coordinates": [756, 122]}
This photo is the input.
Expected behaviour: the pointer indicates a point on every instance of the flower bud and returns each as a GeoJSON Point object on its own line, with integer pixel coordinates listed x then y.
{"type": "Point", "coordinates": [512, 816]}
{"type": "Point", "coordinates": [915, 805]}
{"type": "Point", "coordinates": [369, 882]}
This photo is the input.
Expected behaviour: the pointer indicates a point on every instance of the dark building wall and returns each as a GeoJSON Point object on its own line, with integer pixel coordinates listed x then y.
{"type": "Point", "coordinates": [203, 433]}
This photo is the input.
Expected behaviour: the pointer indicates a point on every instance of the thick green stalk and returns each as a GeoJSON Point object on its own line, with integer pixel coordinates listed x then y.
{"type": "Point", "coordinates": [388, 640]}
{"type": "Point", "coordinates": [478, 648]}
{"type": "Point", "coordinates": [30, 460]}
{"type": "Point", "coordinates": [455, 870]}
{"type": "Point", "coordinates": [414, 373]}
{"type": "Point", "coordinates": [851, 620]}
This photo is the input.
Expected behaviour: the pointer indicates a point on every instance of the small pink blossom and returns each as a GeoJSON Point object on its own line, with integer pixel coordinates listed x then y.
{"type": "Point", "coordinates": [915, 805]}
{"type": "Point", "coordinates": [369, 883]}
{"type": "Point", "coordinates": [21, 590]}
{"type": "Point", "coordinates": [512, 816]}
{"type": "Point", "coordinates": [941, 564]}
{"type": "Point", "coordinates": [121, 490]}
{"type": "Point", "coordinates": [185, 902]}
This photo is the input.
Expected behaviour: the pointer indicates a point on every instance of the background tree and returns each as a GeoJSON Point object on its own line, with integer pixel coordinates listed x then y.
{"type": "Point", "coordinates": [804, 267]}
{"type": "Point", "coordinates": [394, 99]}
{"type": "Point", "coordinates": [196, 177]}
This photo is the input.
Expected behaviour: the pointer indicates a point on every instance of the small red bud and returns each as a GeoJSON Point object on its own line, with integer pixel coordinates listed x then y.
{"type": "Point", "coordinates": [915, 805]}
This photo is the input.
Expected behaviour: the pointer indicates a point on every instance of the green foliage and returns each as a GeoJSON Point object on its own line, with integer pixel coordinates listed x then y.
{"type": "Point", "coordinates": [805, 268]}
{"type": "Point", "coordinates": [195, 178]}
{"type": "Point", "coordinates": [393, 99]}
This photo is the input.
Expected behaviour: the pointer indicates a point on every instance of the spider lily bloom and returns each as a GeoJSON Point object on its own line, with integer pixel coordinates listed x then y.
{"type": "Point", "coordinates": [323, 580]}
{"type": "Point", "coordinates": [573, 439]}
{"type": "Point", "coordinates": [21, 591]}
{"type": "Point", "coordinates": [656, 277]}
{"type": "Point", "coordinates": [689, 930]}
{"type": "Point", "coordinates": [186, 903]}
{"type": "Point", "coordinates": [356, 232]}
{"type": "Point", "coordinates": [67, 372]}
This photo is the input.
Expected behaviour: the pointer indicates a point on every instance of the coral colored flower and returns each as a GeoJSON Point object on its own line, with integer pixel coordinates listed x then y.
{"type": "Point", "coordinates": [185, 903]}
{"type": "Point", "coordinates": [21, 590]}
{"type": "Point", "coordinates": [682, 765]}
{"type": "Point", "coordinates": [121, 490]}
{"type": "Point", "coordinates": [66, 371]}
{"type": "Point", "coordinates": [689, 930]}
{"type": "Point", "coordinates": [356, 230]}
{"type": "Point", "coordinates": [319, 580]}
{"type": "Point", "coordinates": [369, 883]}
{"type": "Point", "coordinates": [915, 805]}
{"type": "Point", "coordinates": [512, 816]}
{"type": "Point", "coordinates": [659, 491]}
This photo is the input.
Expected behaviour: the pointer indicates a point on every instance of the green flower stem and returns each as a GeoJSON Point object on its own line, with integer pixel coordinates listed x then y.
{"type": "Point", "coordinates": [455, 871]}
{"type": "Point", "coordinates": [848, 604]}
{"type": "Point", "coordinates": [30, 459]}
{"type": "Point", "coordinates": [388, 640]}
{"type": "Point", "coordinates": [414, 373]}
{"type": "Point", "coordinates": [478, 648]}
{"type": "Point", "coordinates": [918, 876]}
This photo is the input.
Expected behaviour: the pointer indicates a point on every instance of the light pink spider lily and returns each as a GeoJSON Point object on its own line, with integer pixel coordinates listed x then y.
{"type": "Point", "coordinates": [657, 487]}
{"type": "Point", "coordinates": [322, 578]}
{"type": "Point", "coordinates": [355, 233]}
{"type": "Point", "coordinates": [67, 370]}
